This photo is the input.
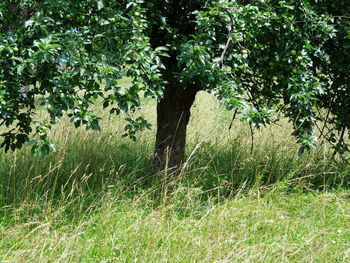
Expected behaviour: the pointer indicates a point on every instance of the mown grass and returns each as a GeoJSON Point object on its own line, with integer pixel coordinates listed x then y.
{"type": "Point", "coordinates": [94, 200]}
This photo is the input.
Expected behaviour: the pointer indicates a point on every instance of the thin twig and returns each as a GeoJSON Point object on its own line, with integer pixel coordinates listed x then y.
{"type": "Point", "coordinates": [252, 136]}
{"type": "Point", "coordinates": [229, 39]}
{"type": "Point", "coordinates": [346, 17]}
{"type": "Point", "coordinates": [325, 123]}
{"type": "Point", "coordinates": [340, 141]}
{"type": "Point", "coordinates": [233, 119]}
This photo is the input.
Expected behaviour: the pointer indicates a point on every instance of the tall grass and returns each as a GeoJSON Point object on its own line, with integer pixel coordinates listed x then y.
{"type": "Point", "coordinates": [223, 159]}
{"type": "Point", "coordinates": [236, 200]}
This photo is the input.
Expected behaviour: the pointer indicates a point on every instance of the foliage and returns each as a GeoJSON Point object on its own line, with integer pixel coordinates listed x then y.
{"type": "Point", "coordinates": [65, 51]}
{"type": "Point", "coordinates": [287, 57]}
{"type": "Point", "coordinates": [260, 58]}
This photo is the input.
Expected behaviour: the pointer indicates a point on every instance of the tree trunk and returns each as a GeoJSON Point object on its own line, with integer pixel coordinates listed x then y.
{"type": "Point", "coordinates": [173, 114]}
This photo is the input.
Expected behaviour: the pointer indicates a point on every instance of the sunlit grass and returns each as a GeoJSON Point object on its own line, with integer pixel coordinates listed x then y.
{"type": "Point", "coordinates": [278, 228]}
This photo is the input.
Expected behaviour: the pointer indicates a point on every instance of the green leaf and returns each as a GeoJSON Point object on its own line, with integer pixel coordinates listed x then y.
{"type": "Point", "coordinates": [100, 4]}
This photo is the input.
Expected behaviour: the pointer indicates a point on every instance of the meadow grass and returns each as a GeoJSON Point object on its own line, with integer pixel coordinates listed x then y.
{"type": "Point", "coordinates": [94, 200]}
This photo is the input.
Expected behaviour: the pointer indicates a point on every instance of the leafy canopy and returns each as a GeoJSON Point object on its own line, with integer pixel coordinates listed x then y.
{"type": "Point", "coordinates": [261, 58]}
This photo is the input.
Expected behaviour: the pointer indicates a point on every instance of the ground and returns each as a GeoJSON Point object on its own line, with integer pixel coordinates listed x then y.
{"type": "Point", "coordinates": [93, 200]}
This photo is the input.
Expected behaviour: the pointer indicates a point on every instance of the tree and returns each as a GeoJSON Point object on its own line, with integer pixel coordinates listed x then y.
{"type": "Point", "coordinates": [261, 58]}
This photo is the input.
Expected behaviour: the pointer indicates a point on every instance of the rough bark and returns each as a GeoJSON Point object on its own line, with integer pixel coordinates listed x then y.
{"type": "Point", "coordinates": [173, 114]}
